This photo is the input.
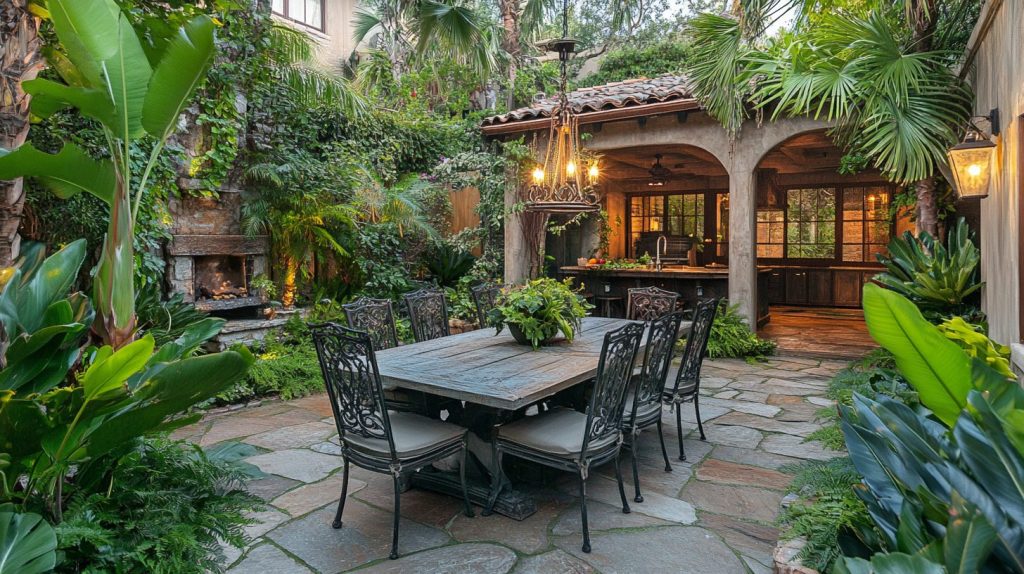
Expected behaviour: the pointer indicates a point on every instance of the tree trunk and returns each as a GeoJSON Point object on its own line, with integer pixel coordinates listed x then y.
{"type": "Point", "coordinates": [20, 60]}
{"type": "Point", "coordinates": [510, 44]}
{"type": "Point", "coordinates": [927, 207]}
{"type": "Point", "coordinates": [291, 273]}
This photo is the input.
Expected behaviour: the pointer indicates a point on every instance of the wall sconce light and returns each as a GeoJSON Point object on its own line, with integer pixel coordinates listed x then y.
{"type": "Point", "coordinates": [971, 160]}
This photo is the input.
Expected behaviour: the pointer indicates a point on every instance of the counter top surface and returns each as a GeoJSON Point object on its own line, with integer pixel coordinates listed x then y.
{"type": "Point", "coordinates": [673, 271]}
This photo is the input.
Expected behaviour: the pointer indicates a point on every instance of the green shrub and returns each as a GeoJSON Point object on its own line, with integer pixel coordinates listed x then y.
{"type": "Point", "coordinates": [731, 336]}
{"type": "Point", "coordinates": [167, 508]}
{"type": "Point", "coordinates": [828, 512]}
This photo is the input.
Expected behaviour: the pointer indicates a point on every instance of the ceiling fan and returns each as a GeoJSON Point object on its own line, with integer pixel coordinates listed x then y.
{"type": "Point", "coordinates": [659, 173]}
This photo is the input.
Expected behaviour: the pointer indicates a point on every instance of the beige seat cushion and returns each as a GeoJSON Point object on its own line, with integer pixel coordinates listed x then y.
{"type": "Point", "coordinates": [413, 434]}
{"type": "Point", "coordinates": [644, 413]}
{"type": "Point", "coordinates": [558, 432]}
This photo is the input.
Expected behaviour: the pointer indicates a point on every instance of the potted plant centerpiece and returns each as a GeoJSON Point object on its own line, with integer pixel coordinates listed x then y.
{"type": "Point", "coordinates": [537, 311]}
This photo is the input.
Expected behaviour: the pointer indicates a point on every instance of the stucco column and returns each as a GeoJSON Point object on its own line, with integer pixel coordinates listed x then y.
{"type": "Point", "coordinates": [742, 233]}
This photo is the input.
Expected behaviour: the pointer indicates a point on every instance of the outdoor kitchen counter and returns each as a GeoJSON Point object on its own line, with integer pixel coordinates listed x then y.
{"type": "Point", "coordinates": [692, 284]}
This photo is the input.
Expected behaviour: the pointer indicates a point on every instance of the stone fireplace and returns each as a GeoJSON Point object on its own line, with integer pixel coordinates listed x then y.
{"type": "Point", "coordinates": [209, 260]}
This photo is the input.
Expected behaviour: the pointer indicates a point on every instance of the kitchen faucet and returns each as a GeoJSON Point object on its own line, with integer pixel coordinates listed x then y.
{"type": "Point", "coordinates": [658, 251]}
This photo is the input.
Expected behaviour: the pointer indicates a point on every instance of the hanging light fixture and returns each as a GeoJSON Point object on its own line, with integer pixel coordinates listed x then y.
{"type": "Point", "coordinates": [659, 173]}
{"type": "Point", "coordinates": [971, 160]}
{"type": "Point", "coordinates": [566, 182]}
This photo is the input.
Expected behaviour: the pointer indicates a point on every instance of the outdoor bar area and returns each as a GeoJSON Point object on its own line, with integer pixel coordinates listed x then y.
{"type": "Point", "coordinates": [769, 220]}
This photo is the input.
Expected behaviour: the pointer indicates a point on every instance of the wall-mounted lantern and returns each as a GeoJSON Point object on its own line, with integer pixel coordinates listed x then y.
{"type": "Point", "coordinates": [971, 160]}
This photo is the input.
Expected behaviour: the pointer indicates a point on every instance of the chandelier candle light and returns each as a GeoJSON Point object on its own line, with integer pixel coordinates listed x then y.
{"type": "Point", "coordinates": [565, 182]}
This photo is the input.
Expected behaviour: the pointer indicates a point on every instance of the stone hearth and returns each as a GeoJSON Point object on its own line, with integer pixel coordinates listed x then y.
{"type": "Point", "coordinates": [209, 260]}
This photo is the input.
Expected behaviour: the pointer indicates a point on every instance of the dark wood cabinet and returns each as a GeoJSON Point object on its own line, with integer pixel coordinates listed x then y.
{"type": "Point", "coordinates": [775, 283]}
{"type": "Point", "coordinates": [846, 286]}
{"type": "Point", "coordinates": [796, 286]}
{"type": "Point", "coordinates": [817, 286]}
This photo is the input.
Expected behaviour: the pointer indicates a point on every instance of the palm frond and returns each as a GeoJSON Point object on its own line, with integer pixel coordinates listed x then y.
{"type": "Point", "coordinates": [719, 68]}
{"type": "Point", "coordinates": [288, 45]}
{"type": "Point", "coordinates": [315, 86]}
{"type": "Point", "coordinates": [365, 24]}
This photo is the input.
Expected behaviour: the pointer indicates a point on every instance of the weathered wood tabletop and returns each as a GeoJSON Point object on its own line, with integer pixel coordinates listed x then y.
{"type": "Point", "coordinates": [494, 370]}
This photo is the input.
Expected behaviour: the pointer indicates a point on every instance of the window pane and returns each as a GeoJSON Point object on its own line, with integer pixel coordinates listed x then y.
{"type": "Point", "coordinates": [853, 232]}
{"type": "Point", "coordinates": [277, 6]}
{"type": "Point", "coordinates": [313, 14]}
{"type": "Point", "coordinates": [296, 10]}
{"type": "Point", "coordinates": [811, 225]}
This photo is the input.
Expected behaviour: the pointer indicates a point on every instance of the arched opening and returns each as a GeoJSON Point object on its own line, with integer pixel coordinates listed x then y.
{"type": "Point", "coordinates": [820, 226]}
{"type": "Point", "coordinates": [680, 192]}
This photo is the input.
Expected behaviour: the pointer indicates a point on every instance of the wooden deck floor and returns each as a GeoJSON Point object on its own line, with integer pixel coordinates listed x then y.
{"type": "Point", "coordinates": [819, 332]}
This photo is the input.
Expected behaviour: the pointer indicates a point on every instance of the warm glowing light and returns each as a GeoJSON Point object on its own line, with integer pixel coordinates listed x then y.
{"type": "Point", "coordinates": [538, 175]}
{"type": "Point", "coordinates": [971, 164]}
{"type": "Point", "coordinates": [570, 169]}
{"type": "Point", "coordinates": [593, 172]}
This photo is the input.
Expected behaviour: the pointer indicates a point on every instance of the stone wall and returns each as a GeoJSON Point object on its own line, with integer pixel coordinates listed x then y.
{"type": "Point", "coordinates": [997, 75]}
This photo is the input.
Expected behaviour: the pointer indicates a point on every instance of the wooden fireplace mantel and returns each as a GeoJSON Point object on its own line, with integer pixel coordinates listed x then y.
{"type": "Point", "coordinates": [196, 245]}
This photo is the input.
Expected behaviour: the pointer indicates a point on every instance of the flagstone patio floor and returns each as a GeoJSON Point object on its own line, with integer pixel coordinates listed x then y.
{"type": "Point", "coordinates": [714, 513]}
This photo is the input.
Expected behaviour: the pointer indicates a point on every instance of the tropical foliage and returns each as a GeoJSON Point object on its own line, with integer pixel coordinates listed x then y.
{"type": "Point", "coordinates": [940, 482]}
{"type": "Point", "coordinates": [881, 73]}
{"type": "Point", "coordinates": [943, 280]}
{"type": "Point", "coordinates": [731, 336]}
{"type": "Point", "coordinates": [539, 310]}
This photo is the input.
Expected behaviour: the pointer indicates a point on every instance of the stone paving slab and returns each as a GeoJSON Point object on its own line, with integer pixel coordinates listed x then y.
{"type": "Point", "coordinates": [268, 558]}
{"type": "Point", "coordinates": [712, 514]}
{"type": "Point", "coordinates": [675, 549]}
{"type": "Point", "coordinates": [461, 559]}
{"type": "Point", "coordinates": [364, 537]}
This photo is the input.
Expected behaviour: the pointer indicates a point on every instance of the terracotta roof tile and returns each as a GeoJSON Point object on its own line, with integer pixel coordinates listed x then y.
{"type": "Point", "coordinates": [636, 92]}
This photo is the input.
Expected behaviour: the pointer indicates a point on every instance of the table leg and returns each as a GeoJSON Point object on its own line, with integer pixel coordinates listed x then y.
{"type": "Point", "coordinates": [511, 502]}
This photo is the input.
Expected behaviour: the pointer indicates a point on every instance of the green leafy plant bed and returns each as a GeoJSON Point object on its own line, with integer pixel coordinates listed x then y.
{"type": "Point", "coordinates": [168, 508]}
{"type": "Point", "coordinates": [731, 336]}
{"type": "Point", "coordinates": [538, 311]}
{"type": "Point", "coordinates": [827, 513]}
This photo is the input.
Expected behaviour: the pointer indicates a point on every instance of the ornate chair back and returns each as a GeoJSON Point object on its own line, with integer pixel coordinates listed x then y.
{"type": "Point", "coordinates": [376, 318]}
{"type": "Point", "coordinates": [604, 415]}
{"type": "Point", "coordinates": [649, 303]}
{"type": "Point", "coordinates": [428, 314]}
{"type": "Point", "coordinates": [485, 296]}
{"type": "Point", "coordinates": [661, 340]}
{"type": "Point", "coordinates": [688, 378]}
{"type": "Point", "coordinates": [350, 373]}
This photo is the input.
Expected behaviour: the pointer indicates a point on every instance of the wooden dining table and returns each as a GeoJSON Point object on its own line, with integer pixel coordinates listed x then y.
{"type": "Point", "coordinates": [497, 379]}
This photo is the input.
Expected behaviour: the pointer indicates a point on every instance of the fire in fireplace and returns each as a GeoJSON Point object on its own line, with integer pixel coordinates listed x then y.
{"type": "Point", "coordinates": [222, 281]}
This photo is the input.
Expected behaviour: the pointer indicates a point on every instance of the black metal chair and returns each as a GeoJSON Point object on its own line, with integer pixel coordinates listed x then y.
{"type": "Point", "coordinates": [649, 303]}
{"type": "Point", "coordinates": [643, 404]}
{"type": "Point", "coordinates": [687, 385]}
{"type": "Point", "coordinates": [485, 296]}
{"type": "Point", "coordinates": [370, 436]}
{"type": "Point", "coordinates": [428, 314]}
{"type": "Point", "coordinates": [376, 318]}
{"type": "Point", "coordinates": [566, 439]}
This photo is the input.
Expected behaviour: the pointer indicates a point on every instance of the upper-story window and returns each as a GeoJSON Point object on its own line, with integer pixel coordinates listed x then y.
{"type": "Point", "coordinates": [307, 12]}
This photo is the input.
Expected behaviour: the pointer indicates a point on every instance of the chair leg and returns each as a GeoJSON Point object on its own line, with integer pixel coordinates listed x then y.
{"type": "Point", "coordinates": [394, 535]}
{"type": "Point", "coordinates": [462, 478]}
{"type": "Point", "coordinates": [495, 484]}
{"type": "Point", "coordinates": [344, 496]}
{"type": "Point", "coordinates": [633, 448]}
{"type": "Point", "coordinates": [622, 488]}
{"type": "Point", "coordinates": [679, 431]}
{"type": "Point", "coordinates": [664, 451]}
{"type": "Point", "coordinates": [583, 512]}
{"type": "Point", "coordinates": [696, 410]}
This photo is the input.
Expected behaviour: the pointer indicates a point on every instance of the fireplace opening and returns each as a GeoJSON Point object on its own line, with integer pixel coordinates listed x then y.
{"type": "Point", "coordinates": [222, 282]}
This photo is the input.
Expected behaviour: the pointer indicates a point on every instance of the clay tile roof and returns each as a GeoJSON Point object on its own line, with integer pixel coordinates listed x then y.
{"type": "Point", "coordinates": [636, 92]}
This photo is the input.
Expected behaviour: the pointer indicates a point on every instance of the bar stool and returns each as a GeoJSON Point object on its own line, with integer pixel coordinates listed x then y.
{"type": "Point", "coordinates": [607, 302]}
